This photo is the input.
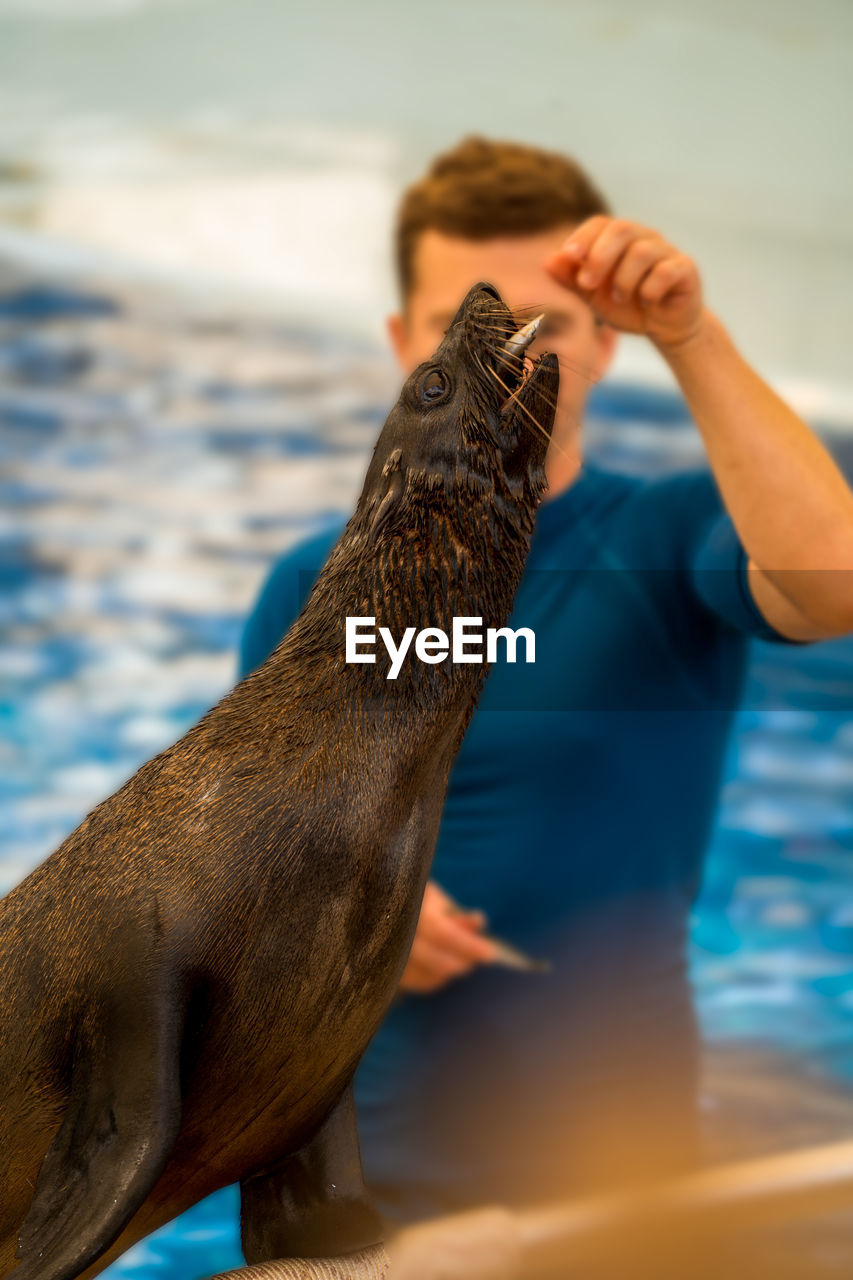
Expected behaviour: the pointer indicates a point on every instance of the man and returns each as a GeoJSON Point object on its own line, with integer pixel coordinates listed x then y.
{"type": "Point", "coordinates": [581, 800]}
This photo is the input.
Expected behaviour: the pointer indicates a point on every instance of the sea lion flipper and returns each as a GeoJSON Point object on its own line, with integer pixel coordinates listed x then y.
{"type": "Point", "coordinates": [118, 1132]}
{"type": "Point", "coordinates": [314, 1202]}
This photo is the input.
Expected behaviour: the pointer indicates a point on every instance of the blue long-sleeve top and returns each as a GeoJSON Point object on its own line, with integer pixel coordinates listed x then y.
{"type": "Point", "coordinates": [577, 817]}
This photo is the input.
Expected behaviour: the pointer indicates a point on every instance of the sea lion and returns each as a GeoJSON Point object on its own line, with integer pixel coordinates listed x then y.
{"type": "Point", "coordinates": [187, 984]}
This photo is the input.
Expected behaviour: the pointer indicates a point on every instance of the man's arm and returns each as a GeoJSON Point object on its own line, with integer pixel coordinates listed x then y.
{"type": "Point", "coordinates": [789, 503]}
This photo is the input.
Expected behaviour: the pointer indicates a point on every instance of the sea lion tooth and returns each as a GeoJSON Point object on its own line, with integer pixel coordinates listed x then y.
{"type": "Point", "coordinates": [520, 341]}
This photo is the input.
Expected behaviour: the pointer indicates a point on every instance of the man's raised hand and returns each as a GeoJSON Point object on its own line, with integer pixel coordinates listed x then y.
{"type": "Point", "coordinates": [632, 278]}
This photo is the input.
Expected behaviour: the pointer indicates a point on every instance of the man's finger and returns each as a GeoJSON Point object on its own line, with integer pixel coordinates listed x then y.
{"type": "Point", "coordinates": [641, 257]}
{"type": "Point", "coordinates": [567, 261]}
{"type": "Point", "coordinates": [576, 246]}
{"type": "Point", "coordinates": [430, 967]}
{"type": "Point", "coordinates": [563, 271]}
{"type": "Point", "coordinates": [605, 251]}
{"type": "Point", "coordinates": [448, 933]}
{"type": "Point", "coordinates": [472, 919]}
{"type": "Point", "coordinates": [674, 272]}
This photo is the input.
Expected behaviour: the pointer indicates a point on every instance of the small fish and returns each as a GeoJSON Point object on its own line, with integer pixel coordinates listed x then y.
{"type": "Point", "coordinates": [519, 342]}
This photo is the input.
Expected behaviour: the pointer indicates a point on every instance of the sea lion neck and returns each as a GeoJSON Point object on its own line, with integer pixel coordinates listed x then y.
{"type": "Point", "coordinates": [440, 565]}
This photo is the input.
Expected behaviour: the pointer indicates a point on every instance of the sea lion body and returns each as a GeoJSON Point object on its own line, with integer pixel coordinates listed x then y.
{"type": "Point", "coordinates": [188, 983]}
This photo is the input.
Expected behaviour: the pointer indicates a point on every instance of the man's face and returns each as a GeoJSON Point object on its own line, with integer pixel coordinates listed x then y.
{"type": "Point", "coordinates": [444, 269]}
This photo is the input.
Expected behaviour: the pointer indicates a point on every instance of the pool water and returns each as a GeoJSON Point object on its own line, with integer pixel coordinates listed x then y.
{"type": "Point", "coordinates": [154, 460]}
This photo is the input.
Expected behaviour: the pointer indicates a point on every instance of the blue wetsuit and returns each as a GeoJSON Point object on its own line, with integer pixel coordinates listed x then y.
{"type": "Point", "coordinates": [577, 818]}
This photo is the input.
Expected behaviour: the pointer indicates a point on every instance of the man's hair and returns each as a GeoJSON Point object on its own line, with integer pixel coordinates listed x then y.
{"type": "Point", "coordinates": [483, 188]}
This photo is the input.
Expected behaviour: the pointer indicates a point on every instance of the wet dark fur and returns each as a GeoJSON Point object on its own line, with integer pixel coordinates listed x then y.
{"type": "Point", "coordinates": [188, 983]}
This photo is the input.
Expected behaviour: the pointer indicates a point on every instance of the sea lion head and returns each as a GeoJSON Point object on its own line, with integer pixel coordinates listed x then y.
{"type": "Point", "coordinates": [471, 427]}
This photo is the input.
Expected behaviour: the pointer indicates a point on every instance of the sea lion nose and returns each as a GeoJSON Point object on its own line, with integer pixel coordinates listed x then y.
{"type": "Point", "coordinates": [483, 286]}
{"type": "Point", "coordinates": [520, 341]}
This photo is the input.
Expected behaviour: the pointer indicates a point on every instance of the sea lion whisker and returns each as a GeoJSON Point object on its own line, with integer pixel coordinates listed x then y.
{"type": "Point", "coordinates": [504, 329]}
{"type": "Point", "coordinates": [495, 351]}
{"type": "Point", "coordinates": [493, 314]}
{"type": "Point", "coordinates": [500, 344]}
{"type": "Point", "coordinates": [517, 312]}
{"type": "Point", "coordinates": [582, 371]}
{"type": "Point", "coordinates": [513, 395]}
{"type": "Point", "coordinates": [521, 405]}
{"type": "Point", "coordinates": [498, 313]}
{"type": "Point", "coordinates": [551, 402]}
{"type": "Point", "coordinates": [515, 363]}
{"type": "Point", "coordinates": [491, 333]}
{"type": "Point", "coordinates": [529, 306]}
{"type": "Point", "coordinates": [511, 361]}
{"type": "Point", "coordinates": [504, 359]}
{"type": "Point", "coordinates": [488, 370]}
{"type": "Point", "coordinates": [498, 355]}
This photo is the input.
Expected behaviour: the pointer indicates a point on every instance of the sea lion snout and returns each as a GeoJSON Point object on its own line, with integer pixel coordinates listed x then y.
{"type": "Point", "coordinates": [477, 416]}
{"type": "Point", "coordinates": [487, 349]}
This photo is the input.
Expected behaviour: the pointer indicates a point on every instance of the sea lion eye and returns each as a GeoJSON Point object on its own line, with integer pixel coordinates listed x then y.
{"type": "Point", "coordinates": [434, 386]}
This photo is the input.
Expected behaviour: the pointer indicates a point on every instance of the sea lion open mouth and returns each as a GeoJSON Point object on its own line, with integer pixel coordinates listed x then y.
{"type": "Point", "coordinates": [528, 367]}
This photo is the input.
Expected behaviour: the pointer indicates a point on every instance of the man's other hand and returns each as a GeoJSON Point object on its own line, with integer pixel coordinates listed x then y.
{"type": "Point", "coordinates": [447, 945]}
{"type": "Point", "coordinates": [632, 278]}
